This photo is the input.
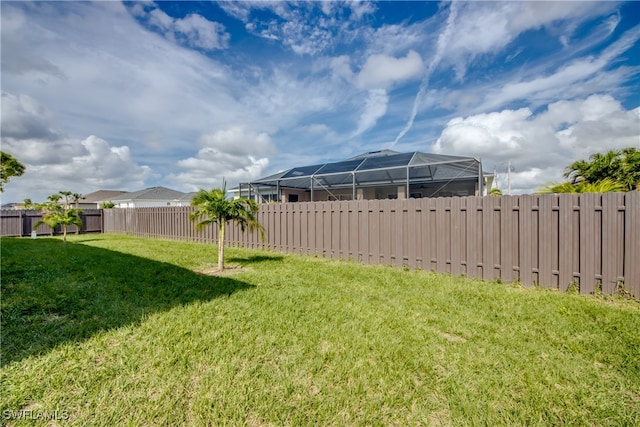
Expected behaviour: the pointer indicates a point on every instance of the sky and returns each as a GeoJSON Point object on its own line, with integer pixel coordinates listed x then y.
{"type": "Point", "coordinates": [128, 95]}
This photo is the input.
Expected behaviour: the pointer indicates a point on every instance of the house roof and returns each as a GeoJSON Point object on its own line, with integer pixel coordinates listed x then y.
{"type": "Point", "coordinates": [152, 193]}
{"type": "Point", "coordinates": [187, 197]}
{"type": "Point", "coordinates": [101, 195]}
{"type": "Point", "coordinates": [378, 168]}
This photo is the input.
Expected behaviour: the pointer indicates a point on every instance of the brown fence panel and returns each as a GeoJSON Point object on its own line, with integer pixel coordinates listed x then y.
{"type": "Point", "coordinates": [441, 230]}
{"type": "Point", "coordinates": [458, 246]}
{"type": "Point", "coordinates": [525, 230]}
{"type": "Point", "coordinates": [547, 230]}
{"type": "Point", "coordinates": [22, 222]}
{"type": "Point", "coordinates": [474, 237]}
{"type": "Point", "coordinates": [508, 243]}
{"type": "Point", "coordinates": [612, 246]}
{"type": "Point", "coordinates": [632, 243]}
{"type": "Point", "coordinates": [411, 232]}
{"type": "Point", "coordinates": [589, 241]}
{"type": "Point", "coordinates": [490, 210]}
{"type": "Point", "coordinates": [362, 237]}
{"type": "Point", "coordinates": [91, 221]}
{"type": "Point", "coordinates": [567, 238]}
{"type": "Point", "coordinates": [372, 255]}
{"type": "Point", "coordinates": [11, 223]}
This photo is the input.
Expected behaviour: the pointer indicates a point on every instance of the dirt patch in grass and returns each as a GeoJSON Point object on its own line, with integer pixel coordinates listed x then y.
{"type": "Point", "coordinates": [214, 271]}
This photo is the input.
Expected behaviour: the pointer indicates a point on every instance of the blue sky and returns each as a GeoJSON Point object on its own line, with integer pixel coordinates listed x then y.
{"type": "Point", "coordinates": [123, 96]}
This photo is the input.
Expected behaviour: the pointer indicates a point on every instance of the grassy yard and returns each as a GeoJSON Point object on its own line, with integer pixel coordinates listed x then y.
{"type": "Point", "coordinates": [113, 330]}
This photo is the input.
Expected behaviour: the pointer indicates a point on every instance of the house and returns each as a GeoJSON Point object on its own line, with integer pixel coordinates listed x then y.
{"type": "Point", "coordinates": [384, 174]}
{"type": "Point", "coordinates": [13, 206]}
{"type": "Point", "coordinates": [186, 199]}
{"type": "Point", "coordinates": [87, 201]}
{"type": "Point", "coordinates": [148, 198]}
{"type": "Point", "coordinates": [94, 200]}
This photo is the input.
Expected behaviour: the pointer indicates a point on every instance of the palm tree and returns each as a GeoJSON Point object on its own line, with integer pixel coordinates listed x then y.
{"type": "Point", "coordinates": [606, 185]}
{"type": "Point", "coordinates": [67, 197]}
{"type": "Point", "coordinates": [214, 207]}
{"type": "Point", "coordinates": [28, 204]}
{"type": "Point", "coordinates": [76, 197]}
{"type": "Point", "coordinates": [54, 216]}
{"type": "Point", "coordinates": [619, 165]}
{"type": "Point", "coordinates": [54, 198]}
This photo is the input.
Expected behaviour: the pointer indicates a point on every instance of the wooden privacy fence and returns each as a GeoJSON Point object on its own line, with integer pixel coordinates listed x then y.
{"type": "Point", "coordinates": [21, 222]}
{"type": "Point", "coordinates": [557, 241]}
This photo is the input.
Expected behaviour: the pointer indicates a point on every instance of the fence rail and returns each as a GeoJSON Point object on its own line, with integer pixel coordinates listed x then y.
{"type": "Point", "coordinates": [21, 222]}
{"type": "Point", "coordinates": [555, 241]}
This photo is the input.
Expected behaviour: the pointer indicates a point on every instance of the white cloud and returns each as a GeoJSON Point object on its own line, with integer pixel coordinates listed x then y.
{"type": "Point", "coordinates": [24, 118]}
{"type": "Point", "coordinates": [323, 131]}
{"type": "Point", "coordinates": [280, 99]}
{"type": "Point", "coordinates": [488, 27]}
{"type": "Point", "coordinates": [238, 141]}
{"type": "Point", "coordinates": [567, 131]}
{"type": "Point", "coordinates": [157, 18]}
{"type": "Point", "coordinates": [360, 9]}
{"type": "Point", "coordinates": [193, 30]}
{"type": "Point", "coordinates": [382, 71]}
{"type": "Point", "coordinates": [203, 33]}
{"type": "Point", "coordinates": [374, 108]}
{"type": "Point", "coordinates": [546, 80]}
{"type": "Point", "coordinates": [235, 154]}
{"type": "Point", "coordinates": [485, 134]}
{"type": "Point", "coordinates": [590, 70]}
{"type": "Point", "coordinates": [151, 96]}
{"type": "Point", "coordinates": [78, 166]}
{"type": "Point", "coordinates": [298, 25]}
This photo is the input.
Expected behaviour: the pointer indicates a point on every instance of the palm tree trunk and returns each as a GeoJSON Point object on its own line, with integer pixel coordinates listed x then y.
{"type": "Point", "coordinates": [64, 233]}
{"type": "Point", "coordinates": [221, 245]}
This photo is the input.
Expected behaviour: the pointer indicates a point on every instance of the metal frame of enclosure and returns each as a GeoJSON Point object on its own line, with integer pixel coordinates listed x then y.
{"type": "Point", "coordinates": [380, 168]}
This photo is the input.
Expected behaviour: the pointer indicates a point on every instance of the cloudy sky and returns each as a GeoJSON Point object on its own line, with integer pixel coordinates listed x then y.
{"type": "Point", "coordinates": [123, 96]}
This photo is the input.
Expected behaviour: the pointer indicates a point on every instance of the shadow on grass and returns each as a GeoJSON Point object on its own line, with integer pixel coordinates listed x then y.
{"type": "Point", "coordinates": [53, 293]}
{"type": "Point", "coordinates": [254, 259]}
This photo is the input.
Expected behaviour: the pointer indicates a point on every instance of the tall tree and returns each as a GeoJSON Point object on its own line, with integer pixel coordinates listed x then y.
{"type": "Point", "coordinates": [213, 207]}
{"type": "Point", "coordinates": [9, 167]}
{"type": "Point", "coordinates": [622, 166]}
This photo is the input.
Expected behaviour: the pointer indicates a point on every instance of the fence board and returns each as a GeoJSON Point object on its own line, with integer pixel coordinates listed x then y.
{"type": "Point", "coordinates": [336, 207]}
{"type": "Point", "coordinates": [506, 244]}
{"type": "Point", "coordinates": [353, 230]}
{"type": "Point", "coordinates": [17, 223]}
{"type": "Point", "coordinates": [546, 250]}
{"type": "Point", "coordinates": [632, 243]}
{"type": "Point", "coordinates": [526, 240]}
{"type": "Point", "coordinates": [473, 255]}
{"type": "Point", "coordinates": [489, 211]}
{"type": "Point", "coordinates": [588, 242]}
{"type": "Point", "coordinates": [611, 249]}
{"type": "Point", "coordinates": [567, 235]}
{"type": "Point", "coordinates": [385, 243]}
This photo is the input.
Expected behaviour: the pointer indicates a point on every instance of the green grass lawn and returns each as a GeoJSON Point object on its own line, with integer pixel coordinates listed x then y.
{"type": "Point", "coordinates": [114, 330]}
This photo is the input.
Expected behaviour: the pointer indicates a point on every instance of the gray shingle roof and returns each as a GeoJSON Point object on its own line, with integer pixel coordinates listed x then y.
{"type": "Point", "coordinates": [152, 193]}
{"type": "Point", "coordinates": [101, 196]}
